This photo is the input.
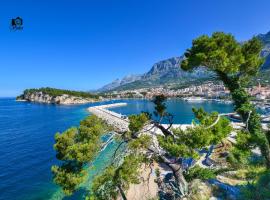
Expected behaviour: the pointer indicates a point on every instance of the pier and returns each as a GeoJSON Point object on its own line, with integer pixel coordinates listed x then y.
{"type": "Point", "coordinates": [118, 121]}
{"type": "Point", "coordinates": [121, 122]}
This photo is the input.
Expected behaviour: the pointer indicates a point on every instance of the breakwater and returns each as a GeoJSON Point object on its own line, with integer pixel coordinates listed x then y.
{"type": "Point", "coordinates": [118, 121]}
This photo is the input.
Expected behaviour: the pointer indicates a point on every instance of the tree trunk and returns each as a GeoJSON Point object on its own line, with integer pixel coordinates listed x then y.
{"type": "Point", "coordinates": [251, 117]}
{"type": "Point", "coordinates": [180, 179]}
{"type": "Point", "coordinates": [164, 130]}
{"type": "Point", "coordinates": [122, 192]}
{"type": "Point", "coordinates": [267, 157]}
{"type": "Point", "coordinates": [177, 173]}
{"type": "Point", "coordinates": [254, 126]}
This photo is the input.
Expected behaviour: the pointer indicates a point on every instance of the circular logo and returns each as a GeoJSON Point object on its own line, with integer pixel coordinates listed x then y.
{"type": "Point", "coordinates": [18, 21]}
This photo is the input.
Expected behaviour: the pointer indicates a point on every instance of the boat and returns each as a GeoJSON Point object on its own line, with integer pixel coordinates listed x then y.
{"type": "Point", "coordinates": [235, 117]}
{"type": "Point", "coordinates": [265, 118]}
{"type": "Point", "coordinates": [194, 99]}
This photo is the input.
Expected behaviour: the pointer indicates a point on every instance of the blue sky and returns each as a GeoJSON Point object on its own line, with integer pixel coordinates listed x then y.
{"type": "Point", "coordinates": [83, 45]}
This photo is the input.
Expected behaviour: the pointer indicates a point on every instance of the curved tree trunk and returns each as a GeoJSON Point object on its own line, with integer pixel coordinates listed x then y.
{"type": "Point", "coordinates": [122, 192]}
{"type": "Point", "coordinates": [164, 130]}
{"type": "Point", "coordinates": [252, 119]}
{"type": "Point", "coordinates": [177, 173]}
{"type": "Point", "coordinates": [180, 179]}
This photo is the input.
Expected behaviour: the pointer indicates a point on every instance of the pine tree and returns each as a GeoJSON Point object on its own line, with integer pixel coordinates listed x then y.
{"type": "Point", "coordinates": [235, 64]}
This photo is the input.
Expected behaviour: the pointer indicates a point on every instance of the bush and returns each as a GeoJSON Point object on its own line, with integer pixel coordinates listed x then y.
{"type": "Point", "coordinates": [197, 172]}
{"type": "Point", "coordinates": [258, 190]}
{"type": "Point", "coordinates": [250, 172]}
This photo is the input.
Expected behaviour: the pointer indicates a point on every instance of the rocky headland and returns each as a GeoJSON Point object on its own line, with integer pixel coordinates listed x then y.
{"type": "Point", "coordinates": [57, 96]}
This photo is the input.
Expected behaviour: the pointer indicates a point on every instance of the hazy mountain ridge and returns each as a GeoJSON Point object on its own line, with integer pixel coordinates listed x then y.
{"type": "Point", "coordinates": [169, 72]}
{"type": "Point", "coordinates": [265, 38]}
{"type": "Point", "coordinates": [119, 82]}
{"type": "Point", "coordinates": [170, 68]}
{"type": "Point", "coordinates": [164, 72]}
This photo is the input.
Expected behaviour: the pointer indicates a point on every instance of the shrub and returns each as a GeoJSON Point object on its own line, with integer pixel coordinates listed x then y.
{"type": "Point", "coordinates": [197, 172]}
{"type": "Point", "coordinates": [258, 190]}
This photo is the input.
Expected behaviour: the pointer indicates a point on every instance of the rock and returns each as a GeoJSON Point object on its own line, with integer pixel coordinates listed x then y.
{"type": "Point", "coordinates": [40, 97]}
{"type": "Point", "coordinates": [200, 190]}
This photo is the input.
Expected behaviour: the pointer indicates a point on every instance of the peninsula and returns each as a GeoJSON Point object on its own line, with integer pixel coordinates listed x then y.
{"type": "Point", "coordinates": [57, 96]}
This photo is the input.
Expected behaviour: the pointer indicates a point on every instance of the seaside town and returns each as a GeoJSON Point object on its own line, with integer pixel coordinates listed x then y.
{"type": "Point", "coordinates": [209, 90]}
{"type": "Point", "coordinates": [135, 100]}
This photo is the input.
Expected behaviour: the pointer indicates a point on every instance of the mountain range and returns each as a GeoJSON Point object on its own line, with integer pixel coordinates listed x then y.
{"type": "Point", "coordinates": [265, 38]}
{"type": "Point", "coordinates": [169, 73]}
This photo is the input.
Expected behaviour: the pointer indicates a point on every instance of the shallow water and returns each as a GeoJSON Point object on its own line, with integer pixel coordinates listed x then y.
{"type": "Point", "coordinates": [27, 136]}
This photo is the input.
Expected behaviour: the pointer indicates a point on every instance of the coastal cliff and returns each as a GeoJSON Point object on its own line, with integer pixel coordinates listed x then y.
{"type": "Point", "coordinates": [57, 96]}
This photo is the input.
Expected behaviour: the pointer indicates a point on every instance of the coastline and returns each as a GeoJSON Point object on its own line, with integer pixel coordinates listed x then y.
{"type": "Point", "coordinates": [77, 103]}
{"type": "Point", "coordinates": [69, 102]}
{"type": "Point", "coordinates": [263, 105]}
{"type": "Point", "coordinates": [70, 118]}
{"type": "Point", "coordinates": [20, 100]}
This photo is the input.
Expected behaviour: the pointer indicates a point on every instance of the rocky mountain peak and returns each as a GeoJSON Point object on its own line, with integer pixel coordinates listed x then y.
{"type": "Point", "coordinates": [169, 71]}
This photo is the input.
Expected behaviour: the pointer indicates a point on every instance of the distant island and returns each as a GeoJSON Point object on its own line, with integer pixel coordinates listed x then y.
{"type": "Point", "coordinates": [57, 96]}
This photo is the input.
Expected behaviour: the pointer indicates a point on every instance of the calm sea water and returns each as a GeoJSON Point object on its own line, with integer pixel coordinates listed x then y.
{"type": "Point", "coordinates": [27, 137]}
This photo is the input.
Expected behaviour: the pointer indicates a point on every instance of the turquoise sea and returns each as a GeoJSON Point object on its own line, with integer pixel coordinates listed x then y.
{"type": "Point", "coordinates": [27, 137]}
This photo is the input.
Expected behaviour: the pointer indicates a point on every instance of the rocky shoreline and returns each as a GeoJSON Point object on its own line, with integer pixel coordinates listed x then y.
{"type": "Point", "coordinates": [64, 99]}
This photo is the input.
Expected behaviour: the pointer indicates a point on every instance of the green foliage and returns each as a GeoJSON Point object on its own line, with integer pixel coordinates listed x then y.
{"type": "Point", "coordinates": [218, 127]}
{"type": "Point", "coordinates": [80, 144]}
{"type": "Point", "coordinates": [235, 64]}
{"type": "Point", "coordinates": [118, 176]}
{"type": "Point", "coordinates": [197, 172]}
{"type": "Point", "coordinates": [137, 122]}
{"type": "Point", "coordinates": [160, 106]}
{"type": "Point", "coordinates": [104, 186]}
{"type": "Point", "coordinates": [107, 185]}
{"type": "Point", "coordinates": [258, 190]}
{"type": "Point", "coordinates": [140, 143]}
{"type": "Point", "coordinates": [240, 154]}
{"type": "Point", "coordinates": [207, 132]}
{"type": "Point", "coordinates": [250, 172]}
{"type": "Point", "coordinates": [20, 97]}
{"type": "Point", "coordinates": [128, 172]}
{"type": "Point", "coordinates": [157, 172]}
{"type": "Point", "coordinates": [63, 142]}
{"type": "Point", "coordinates": [238, 157]}
{"type": "Point", "coordinates": [221, 52]}
{"type": "Point", "coordinates": [57, 92]}
{"type": "Point", "coordinates": [76, 147]}
{"type": "Point", "coordinates": [176, 148]}
{"type": "Point", "coordinates": [68, 176]}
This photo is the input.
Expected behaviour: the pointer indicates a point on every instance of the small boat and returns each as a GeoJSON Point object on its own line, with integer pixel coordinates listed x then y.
{"type": "Point", "coordinates": [235, 116]}
{"type": "Point", "coordinates": [265, 118]}
{"type": "Point", "coordinates": [227, 102]}
{"type": "Point", "coordinates": [194, 99]}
